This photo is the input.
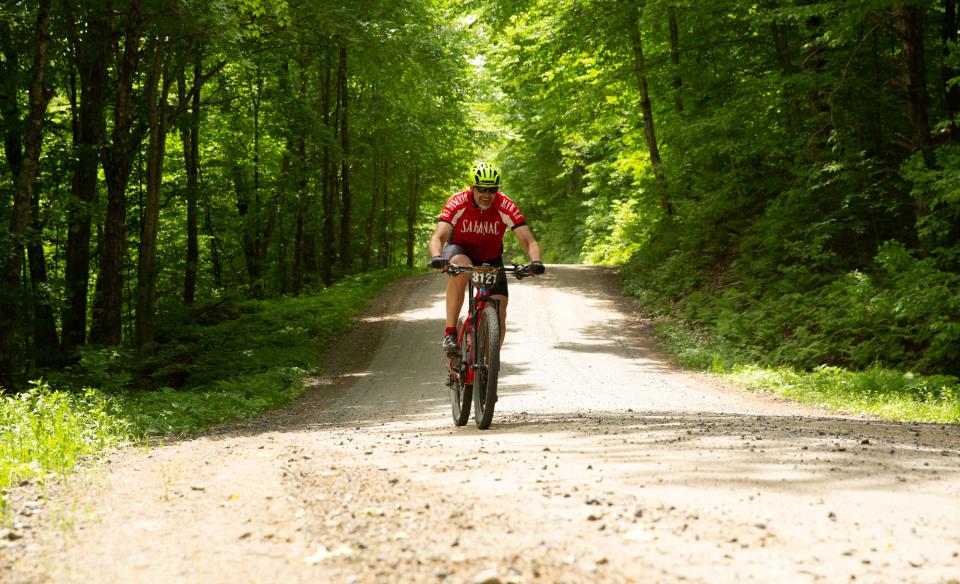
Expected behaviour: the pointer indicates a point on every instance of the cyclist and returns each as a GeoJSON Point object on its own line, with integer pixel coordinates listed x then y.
{"type": "Point", "coordinates": [470, 231]}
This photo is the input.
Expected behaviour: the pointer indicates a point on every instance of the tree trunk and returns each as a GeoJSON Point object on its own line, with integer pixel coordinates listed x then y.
{"type": "Point", "coordinates": [286, 180]}
{"type": "Point", "coordinates": [639, 68]}
{"type": "Point", "coordinates": [92, 51]}
{"type": "Point", "coordinates": [155, 92]}
{"type": "Point", "coordinates": [819, 106]}
{"type": "Point", "coordinates": [368, 241]}
{"type": "Point", "coordinates": [346, 227]}
{"type": "Point", "coordinates": [190, 133]}
{"type": "Point", "coordinates": [781, 47]}
{"type": "Point", "coordinates": [11, 263]}
{"type": "Point", "coordinates": [255, 266]}
{"type": "Point", "coordinates": [276, 215]}
{"type": "Point", "coordinates": [308, 249]}
{"type": "Point", "coordinates": [327, 180]}
{"type": "Point", "coordinates": [299, 221]}
{"type": "Point", "coordinates": [908, 25]}
{"type": "Point", "coordinates": [385, 217]}
{"type": "Point", "coordinates": [947, 72]}
{"type": "Point", "coordinates": [45, 341]}
{"type": "Point", "coordinates": [46, 346]}
{"type": "Point", "coordinates": [242, 189]}
{"type": "Point", "coordinates": [675, 57]}
{"type": "Point", "coordinates": [10, 298]}
{"type": "Point", "coordinates": [214, 248]}
{"type": "Point", "coordinates": [257, 219]}
{"type": "Point", "coordinates": [412, 215]}
{"type": "Point", "coordinates": [298, 240]}
{"type": "Point", "coordinates": [106, 328]}
{"type": "Point", "coordinates": [9, 101]}
{"type": "Point", "coordinates": [303, 197]}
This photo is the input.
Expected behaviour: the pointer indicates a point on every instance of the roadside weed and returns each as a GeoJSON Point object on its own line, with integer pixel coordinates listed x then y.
{"type": "Point", "coordinates": [44, 432]}
{"type": "Point", "coordinates": [875, 390]}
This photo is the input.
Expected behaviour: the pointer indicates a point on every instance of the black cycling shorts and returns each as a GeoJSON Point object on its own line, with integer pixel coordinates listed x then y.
{"type": "Point", "coordinates": [450, 250]}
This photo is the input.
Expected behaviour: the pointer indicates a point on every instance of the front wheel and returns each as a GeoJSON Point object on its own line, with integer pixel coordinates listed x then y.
{"type": "Point", "coordinates": [487, 367]}
{"type": "Point", "coordinates": [460, 392]}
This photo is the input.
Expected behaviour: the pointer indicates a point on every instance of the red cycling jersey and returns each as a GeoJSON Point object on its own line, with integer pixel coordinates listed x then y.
{"type": "Point", "coordinates": [480, 231]}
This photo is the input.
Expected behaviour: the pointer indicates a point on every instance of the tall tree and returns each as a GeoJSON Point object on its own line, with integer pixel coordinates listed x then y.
{"type": "Point", "coordinates": [346, 198]}
{"type": "Point", "coordinates": [47, 350]}
{"type": "Point", "coordinates": [385, 218]}
{"type": "Point", "coordinates": [675, 55]}
{"type": "Point", "coordinates": [374, 193]}
{"type": "Point", "coordinates": [947, 70]}
{"type": "Point", "coordinates": [89, 33]}
{"type": "Point", "coordinates": [190, 137]}
{"type": "Point", "coordinates": [908, 27]}
{"type": "Point", "coordinates": [326, 177]}
{"type": "Point", "coordinates": [11, 262]}
{"type": "Point", "coordinates": [155, 93]}
{"type": "Point", "coordinates": [649, 132]}
{"type": "Point", "coordinates": [412, 208]}
{"type": "Point", "coordinates": [106, 328]}
{"type": "Point", "coordinates": [45, 343]}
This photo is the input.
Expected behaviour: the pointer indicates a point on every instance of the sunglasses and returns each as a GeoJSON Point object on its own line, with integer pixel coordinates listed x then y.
{"type": "Point", "coordinates": [485, 189]}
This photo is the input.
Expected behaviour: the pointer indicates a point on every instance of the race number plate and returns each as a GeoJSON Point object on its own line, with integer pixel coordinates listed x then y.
{"type": "Point", "coordinates": [484, 276]}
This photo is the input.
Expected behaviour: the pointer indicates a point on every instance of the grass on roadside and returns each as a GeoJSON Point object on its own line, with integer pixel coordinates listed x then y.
{"type": "Point", "coordinates": [224, 361]}
{"type": "Point", "coordinates": [885, 393]}
{"type": "Point", "coordinates": [44, 432]}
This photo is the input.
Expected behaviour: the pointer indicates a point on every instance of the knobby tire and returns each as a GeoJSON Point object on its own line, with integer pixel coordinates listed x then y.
{"type": "Point", "coordinates": [488, 367]}
{"type": "Point", "coordinates": [460, 395]}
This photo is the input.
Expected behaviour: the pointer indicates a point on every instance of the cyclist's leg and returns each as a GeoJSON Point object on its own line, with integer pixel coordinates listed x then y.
{"type": "Point", "coordinates": [501, 293]}
{"type": "Point", "coordinates": [503, 315]}
{"type": "Point", "coordinates": [456, 286]}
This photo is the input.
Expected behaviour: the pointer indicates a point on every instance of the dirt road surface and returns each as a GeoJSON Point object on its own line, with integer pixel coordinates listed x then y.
{"type": "Point", "coordinates": [604, 463]}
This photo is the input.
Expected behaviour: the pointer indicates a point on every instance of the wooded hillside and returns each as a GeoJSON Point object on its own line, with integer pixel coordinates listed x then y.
{"type": "Point", "coordinates": [785, 174]}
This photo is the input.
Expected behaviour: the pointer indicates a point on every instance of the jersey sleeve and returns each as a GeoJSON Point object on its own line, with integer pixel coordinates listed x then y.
{"type": "Point", "coordinates": [454, 209]}
{"type": "Point", "coordinates": [510, 214]}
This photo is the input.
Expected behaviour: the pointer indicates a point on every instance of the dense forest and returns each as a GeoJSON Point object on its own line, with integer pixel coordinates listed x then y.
{"type": "Point", "coordinates": [783, 174]}
{"type": "Point", "coordinates": [163, 153]}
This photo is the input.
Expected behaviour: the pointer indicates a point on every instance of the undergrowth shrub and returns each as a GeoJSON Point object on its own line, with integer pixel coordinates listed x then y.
{"type": "Point", "coordinates": [904, 313]}
{"type": "Point", "coordinates": [231, 359]}
{"type": "Point", "coordinates": [224, 359]}
{"type": "Point", "coordinates": [881, 340]}
{"type": "Point", "coordinates": [43, 431]}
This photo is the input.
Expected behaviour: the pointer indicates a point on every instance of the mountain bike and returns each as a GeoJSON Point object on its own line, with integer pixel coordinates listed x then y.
{"type": "Point", "coordinates": [473, 372]}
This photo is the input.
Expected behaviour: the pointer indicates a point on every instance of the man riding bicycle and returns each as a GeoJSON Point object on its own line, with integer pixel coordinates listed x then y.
{"type": "Point", "coordinates": [470, 231]}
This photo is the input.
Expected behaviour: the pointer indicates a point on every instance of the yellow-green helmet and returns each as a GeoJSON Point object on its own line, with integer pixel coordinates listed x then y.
{"type": "Point", "coordinates": [485, 174]}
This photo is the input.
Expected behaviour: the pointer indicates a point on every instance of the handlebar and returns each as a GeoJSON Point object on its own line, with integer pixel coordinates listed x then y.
{"type": "Point", "coordinates": [520, 271]}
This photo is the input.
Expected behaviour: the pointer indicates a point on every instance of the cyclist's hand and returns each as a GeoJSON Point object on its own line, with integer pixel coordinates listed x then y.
{"type": "Point", "coordinates": [438, 263]}
{"type": "Point", "coordinates": [537, 268]}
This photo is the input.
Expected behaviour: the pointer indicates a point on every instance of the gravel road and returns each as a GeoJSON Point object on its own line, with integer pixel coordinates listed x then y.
{"type": "Point", "coordinates": [604, 463]}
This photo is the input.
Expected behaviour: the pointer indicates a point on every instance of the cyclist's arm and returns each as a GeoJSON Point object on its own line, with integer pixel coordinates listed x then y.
{"type": "Point", "coordinates": [528, 242]}
{"type": "Point", "coordinates": [440, 236]}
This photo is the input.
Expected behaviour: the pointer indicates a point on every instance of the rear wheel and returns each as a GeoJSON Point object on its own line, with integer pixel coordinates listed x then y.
{"type": "Point", "coordinates": [488, 367]}
{"type": "Point", "coordinates": [460, 393]}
